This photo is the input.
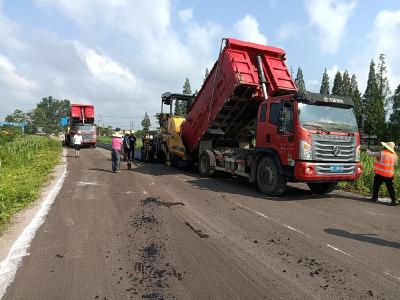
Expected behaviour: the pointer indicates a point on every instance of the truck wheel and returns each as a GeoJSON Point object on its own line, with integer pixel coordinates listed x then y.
{"type": "Point", "coordinates": [161, 157]}
{"type": "Point", "coordinates": [205, 164]}
{"type": "Point", "coordinates": [322, 187]}
{"type": "Point", "coordinates": [269, 179]}
{"type": "Point", "coordinates": [173, 161]}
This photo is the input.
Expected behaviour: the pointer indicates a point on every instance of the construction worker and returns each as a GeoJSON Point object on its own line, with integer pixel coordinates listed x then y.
{"type": "Point", "coordinates": [125, 144]}
{"type": "Point", "coordinates": [116, 145]}
{"type": "Point", "coordinates": [132, 144]}
{"type": "Point", "coordinates": [77, 139]}
{"type": "Point", "coordinates": [384, 170]}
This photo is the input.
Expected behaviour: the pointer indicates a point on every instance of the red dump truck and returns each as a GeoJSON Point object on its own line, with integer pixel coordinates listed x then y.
{"type": "Point", "coordinates": [248, 119]}
{"type": "Point", "coordinates": [82, 119]}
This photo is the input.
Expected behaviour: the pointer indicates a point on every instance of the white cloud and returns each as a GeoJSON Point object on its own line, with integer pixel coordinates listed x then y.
{"type": "Point", "coordinates": [383, 38]}
{"type": "Point", "coordinates": [185, 15]}
{"type": "Point", "coordinates": [10, 79]}
{"type": "Point", "coordinates": [330, 17]}
{"type": "Point", "coordinates": [147, 56]}
{"type": "Point", "coordinates": [289, 30]}
{"type": "Point", "coordinates": [313, 85]}
{"type": "Point", "coordinates": [331, 73]}
{"type": "Point", "coordinates": [247, 29]}
{"type": "Point", "coordinates": [8, 30]}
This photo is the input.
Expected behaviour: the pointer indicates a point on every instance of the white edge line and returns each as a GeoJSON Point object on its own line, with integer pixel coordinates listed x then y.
{"type": "Point", "coordinates": [262, 215]}
{"type": "Point", "coordinates": [294, 229]}
{"type": "Point", "coordinates": [387, 273]}
{"type": "Point", "coordinates": [9, 266]}
{"type": "Point", "coordinates": [337, 249]}
{"type": "Point", "coordinates": [265, 216]}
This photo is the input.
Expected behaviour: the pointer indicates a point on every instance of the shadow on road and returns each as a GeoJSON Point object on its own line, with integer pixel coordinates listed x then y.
{"type": "Point", "coordinates": [227, 183]}
{"type": "Point", "coordinates": [362, 237]}
{"type": "Point", "coordinates": [158, 169]}
{"type": "Point", "coordinates": [241, 186]}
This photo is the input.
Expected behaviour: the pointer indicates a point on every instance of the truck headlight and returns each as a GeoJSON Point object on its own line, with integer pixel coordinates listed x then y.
{"type": "Point", "coordinates": [358, 153]}
{"type": "Point", "coordinates": [305, 151]}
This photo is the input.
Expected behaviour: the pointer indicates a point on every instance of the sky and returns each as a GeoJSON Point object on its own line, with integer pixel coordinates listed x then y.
{"type": "Point", "coordinates": [121, 55]}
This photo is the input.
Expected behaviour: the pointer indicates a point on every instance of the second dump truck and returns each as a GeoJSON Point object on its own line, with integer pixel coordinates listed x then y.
{"type": "Point", "coordinates": [248, 119]}
{"type": "Point", "coordinates": [81, 119]}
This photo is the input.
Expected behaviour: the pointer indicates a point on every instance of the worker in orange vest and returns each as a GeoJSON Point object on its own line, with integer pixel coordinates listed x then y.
{"type": "Point", "coordinates": [384, 170]}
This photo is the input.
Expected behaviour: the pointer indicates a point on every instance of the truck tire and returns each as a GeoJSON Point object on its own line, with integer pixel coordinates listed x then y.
{"type": "Point", "coordinates": [321, 188]}
{"type": "Point", "coordinates": [173, 160]}
{"type": "Point", "coordinates": [207, 164]}
{"type": "Point", "coordinates": [269, 180]}
{"type": "Point", "coordinates": [161, 157]}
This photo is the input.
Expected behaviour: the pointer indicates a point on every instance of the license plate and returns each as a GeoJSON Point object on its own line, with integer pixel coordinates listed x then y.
{"type": "Point", "coordinates": [337, 169]}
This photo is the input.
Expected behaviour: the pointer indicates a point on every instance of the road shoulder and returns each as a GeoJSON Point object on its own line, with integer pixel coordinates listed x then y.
{"type": "Point", "coordinates": [23, 218]}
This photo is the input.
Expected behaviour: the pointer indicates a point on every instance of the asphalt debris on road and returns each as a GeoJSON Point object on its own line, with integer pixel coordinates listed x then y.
{"type": "Point", "coordinates": [158, 202]}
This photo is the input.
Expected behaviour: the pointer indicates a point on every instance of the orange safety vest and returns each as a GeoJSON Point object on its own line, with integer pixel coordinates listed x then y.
{"type": "Point", "coordinates": [385, 165]}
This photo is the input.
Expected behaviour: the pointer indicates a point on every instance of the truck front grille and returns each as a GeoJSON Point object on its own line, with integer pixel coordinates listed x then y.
{"type": "Point", "coordinates": [333, 148]}
{"type": "Point", "coordinates": [325, 169]}
{"type": "Point", "coordinates": [88, 138]}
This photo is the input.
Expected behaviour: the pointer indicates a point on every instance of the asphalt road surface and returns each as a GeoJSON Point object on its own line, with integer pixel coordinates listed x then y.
{"type": "Point", "coordinates": [155, 232]}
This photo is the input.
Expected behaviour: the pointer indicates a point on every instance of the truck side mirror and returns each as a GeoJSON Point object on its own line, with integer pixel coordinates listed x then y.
{"type": "Point", "coordinates": [283, 117]}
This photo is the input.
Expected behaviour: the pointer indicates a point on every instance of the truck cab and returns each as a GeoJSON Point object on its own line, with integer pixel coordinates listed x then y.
{"type": "Point", "coordinates": [314, 138]}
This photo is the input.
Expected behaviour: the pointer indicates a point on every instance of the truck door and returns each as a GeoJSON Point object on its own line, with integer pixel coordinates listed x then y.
{"type": "Point", "coordinates": [261, 129]}
{"type": "Point", "coordinates": [281, 141]}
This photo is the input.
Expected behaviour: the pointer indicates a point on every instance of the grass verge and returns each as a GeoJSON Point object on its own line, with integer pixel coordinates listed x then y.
{"type": "Point", "coordinates": [107, 140]}
{"type": "Point", "coordinates": [25, 163]}
{"type": "Point", "coordinates": [364, 184]}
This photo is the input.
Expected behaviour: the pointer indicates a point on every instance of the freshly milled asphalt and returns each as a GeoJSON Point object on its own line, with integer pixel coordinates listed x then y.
{"type": "Point", "coordinates": [155, 232]}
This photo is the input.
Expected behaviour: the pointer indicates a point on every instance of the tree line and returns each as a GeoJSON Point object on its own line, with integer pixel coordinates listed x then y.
{"type": "Point", "coordinates": [375, 103]}
{"type": "Point", "coordinates": [45, 116]}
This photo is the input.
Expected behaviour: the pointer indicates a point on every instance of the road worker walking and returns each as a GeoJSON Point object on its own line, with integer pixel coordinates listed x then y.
{"type": "Point", "coordinates": [384, 170]}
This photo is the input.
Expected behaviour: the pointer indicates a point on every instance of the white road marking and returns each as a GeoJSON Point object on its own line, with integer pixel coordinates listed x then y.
{"type": "Point", "coordinates": [387, 273]}
{"type": "Point", "coordinates": [262, 215]}
{"type": "Point", "coordinates": [83, 183]}
{"type": "Point", "coordinates": [9, 266]}
{"type": "Point", "coordinates": [294, 229]}
{"type": "Point", "coordinates": [269, 218]}
{"type": "Point", "coordinates": [337, 249]}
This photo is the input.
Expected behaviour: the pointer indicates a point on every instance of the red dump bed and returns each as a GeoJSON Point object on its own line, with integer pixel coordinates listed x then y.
{"type": "Point", "coordinates": [225, 109]}
{"type": "Point", "coordinates": [82, 113]}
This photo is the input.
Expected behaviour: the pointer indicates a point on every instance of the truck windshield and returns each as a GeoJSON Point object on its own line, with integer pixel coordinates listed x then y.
{"type": "Point", "coordinates": [327, 118]}
{"type": "Point", "coordinates": [86, 127]}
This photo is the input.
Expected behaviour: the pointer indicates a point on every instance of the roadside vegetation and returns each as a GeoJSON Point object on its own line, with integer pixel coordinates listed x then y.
{"type": "Point", "coordinates": [107, 140]}
{"type": "Point", "coordinates": [365, 183]}
{"type": "Point", "coordinates": [25, 163]}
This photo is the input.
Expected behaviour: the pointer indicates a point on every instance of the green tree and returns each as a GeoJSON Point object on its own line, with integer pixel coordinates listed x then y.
{"type": "Point", "coordinates": [48, 113]}
{"type": "Point", "coordinates": [374, 106]}
{"type": "Point", "coordinates": [299, 81]}
{"type": "Point", "coordinates": [395, 116]}
{"type": "Point", "coordinates": [324, 83]}
{"type": "Point", "coordinates": [337, 88]}
{"type": "Point", "coordinates": [177, 108]}
{"type": "Point", "coordinates": [187, 90]}
{"type": "Point", "coordinates": [356, 96]}
{"type": "Point", "coordinates": [346, 84]}
{"type": "Point", "coordinates": [382, 81]}
{"type": "Point", "coordinates": [146, 123]}
{"type": "Point", "coordinates": [17, 116]}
